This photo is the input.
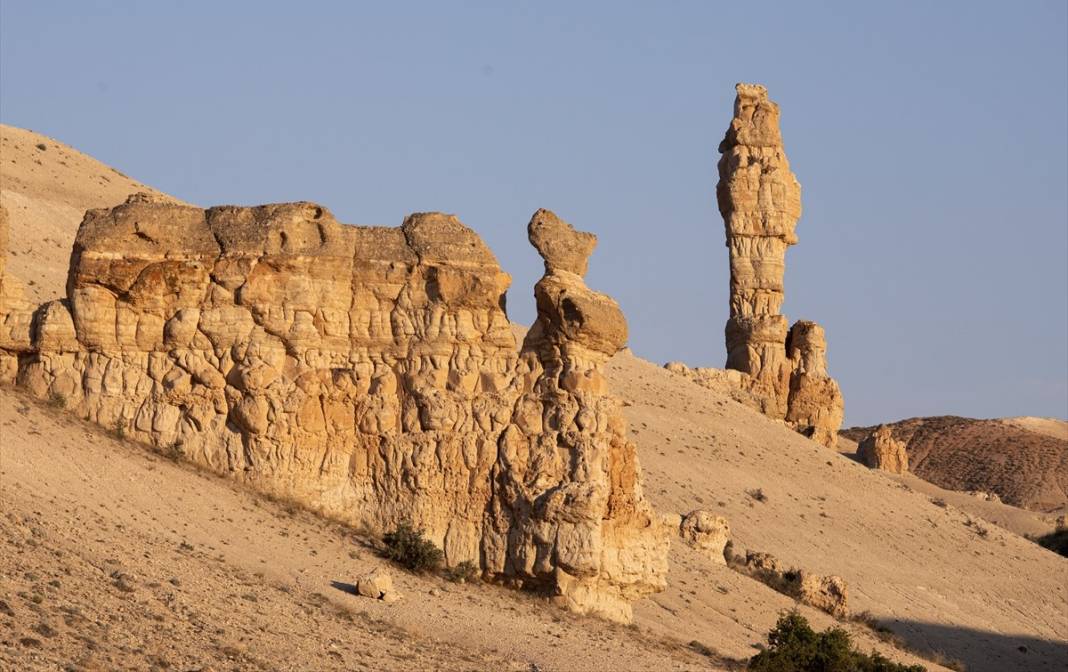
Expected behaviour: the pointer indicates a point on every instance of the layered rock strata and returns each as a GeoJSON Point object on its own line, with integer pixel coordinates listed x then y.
{"type": "Point", "coordinates": [568, 484]}
{"type": "Point", "coordinates": [369, 373]}
{"type": "Point", "coordinates": [760, 201]}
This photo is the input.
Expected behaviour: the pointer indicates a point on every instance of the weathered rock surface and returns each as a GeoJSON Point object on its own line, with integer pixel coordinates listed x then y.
{"type": "Point", "coordinates": [568, 485]}
{"type": "Point", "coordinates": [369, 373]}
{"type": "Point", "coordinates": [377, 585]}
{"type": "Point", "coordinates": [827, 593]}
{"type": "Point", "coordinates": [880, 450]}
{"type": "Point", "coordinates": [706, 532]}
{"type": "Point", "coordinates": [760, 200]}
{"type": "Point", "coordinates": [815, 406]}
{"type": "Point", "coordinates": [16, 313]}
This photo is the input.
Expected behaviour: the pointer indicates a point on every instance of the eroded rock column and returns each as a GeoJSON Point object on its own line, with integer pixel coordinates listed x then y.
{"type": "Point", "coordinates": [569, 494]}
{"type": "Point", "coordinates": [760, 200]}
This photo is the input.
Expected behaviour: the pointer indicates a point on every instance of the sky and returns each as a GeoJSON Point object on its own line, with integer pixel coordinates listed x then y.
{"type": "Point", "coordinates": [930, 140]}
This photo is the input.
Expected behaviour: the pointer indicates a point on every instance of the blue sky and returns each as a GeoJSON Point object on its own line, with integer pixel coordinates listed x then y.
{"type": "Point", "coordinates": [930, 139]}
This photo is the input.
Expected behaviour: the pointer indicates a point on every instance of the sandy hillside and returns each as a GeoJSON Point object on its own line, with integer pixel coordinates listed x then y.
{"type": "Point", "coordinates": [46, 187]}
{"type": "Point", "coordinates": [1022, 460]}
{"type": "Point", "coordinates": [114, 558]}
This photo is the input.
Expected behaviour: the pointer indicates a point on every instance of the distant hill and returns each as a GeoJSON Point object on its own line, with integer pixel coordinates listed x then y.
{"type": "Point", "coordinates": [1022, 460]}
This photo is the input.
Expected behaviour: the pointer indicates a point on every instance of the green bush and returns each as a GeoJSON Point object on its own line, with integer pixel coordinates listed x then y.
{"type": "Point", "coordinates": [409, 548]}
{"type": "Point", "coordinates": [793, 646]}
{"type": "Point", "coordinates": [465, 572]}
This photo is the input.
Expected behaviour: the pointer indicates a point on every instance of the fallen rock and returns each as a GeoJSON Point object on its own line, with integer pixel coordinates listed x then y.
{"type": "Point", "coordinates": [375, 585]}
{"type": "Point", "coordinates": [706, 532]}
{"type": "Point", "coordinates": [826, 593]}
{"type": "Point", "coordinates": [880, 450]}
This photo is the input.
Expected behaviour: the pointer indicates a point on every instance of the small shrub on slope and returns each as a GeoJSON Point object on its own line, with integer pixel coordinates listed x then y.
{"type": "Point", "coordinates": [795, 647]}
{"type": "Point", "coordinates": [409, 548]}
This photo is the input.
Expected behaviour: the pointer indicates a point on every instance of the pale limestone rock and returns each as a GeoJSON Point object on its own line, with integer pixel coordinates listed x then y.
{"type": "Point", "coordinates": [827, 593]}
{"type": "Point", "coordinates": [707, 532]}
{"type": "Point", "coordinates": [815, 407]}
{"type": "Point", "coordinates": [370, 373]}
{"type": "Point", "coordinates": [880, 450]}
{"type": "Point", "coordinates": [375, 585]}
{"type": "Point", "coordinates": [16, 313]}
{"type": "Point", "coordinates": [573, 517]}
{"type": "Point", "coordinates": [760, 200]}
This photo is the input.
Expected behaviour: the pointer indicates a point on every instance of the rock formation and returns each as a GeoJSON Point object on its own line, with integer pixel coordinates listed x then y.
{"type": "Point", "coordinates": [760, 200]}
{"type": "Point", "coordinates": [567, 480]}
{"type": "Point", "coordinates": [880, 450]}
{"type": "Point", "coordinates": [16, 313]}
{"type": "Point", "coordinates": [369, 373]}
{"type": "Point", "coordinates": [707, 532]}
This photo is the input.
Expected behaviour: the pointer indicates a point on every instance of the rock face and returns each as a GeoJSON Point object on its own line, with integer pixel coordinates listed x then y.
{"type": "Point", "coordinates": [760, 200]}
{"type": "Point", "coordinates": [16, 313]}
{"type": "Point", "coordinates": [880, 450]}
{"type": "Point", "coordinates": [370, 373]}
{"type": "Point", "coordinates": [706, 532]}
{"type": "Point", "coordinates": [567, 482]}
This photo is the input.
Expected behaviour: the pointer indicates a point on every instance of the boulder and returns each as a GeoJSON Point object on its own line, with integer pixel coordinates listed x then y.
{"type": "Point", "coordinates": [375, 585]}
{"type": "Point", "coordinates": [706, 532]}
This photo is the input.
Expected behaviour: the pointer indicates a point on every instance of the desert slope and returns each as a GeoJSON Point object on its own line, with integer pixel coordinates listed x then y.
{"type": "Point", "coordinates": [46, 187]}
{"type": "Point", "coordinates": [255, 583]}
{"type": "Point", "coordinates": [943, 579]}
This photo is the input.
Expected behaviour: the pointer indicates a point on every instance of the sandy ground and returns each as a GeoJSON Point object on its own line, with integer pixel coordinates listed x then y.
{"type": "Point", "coordinates": [1058, 429]}
{"type": "Point", "coordinates": [115, 558]}
{"type": "Point", "coordinates": [46, 192]}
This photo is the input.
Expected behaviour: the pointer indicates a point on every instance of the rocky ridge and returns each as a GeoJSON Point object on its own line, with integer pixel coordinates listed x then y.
{"type": "Point", "coordinates": [368, 373]}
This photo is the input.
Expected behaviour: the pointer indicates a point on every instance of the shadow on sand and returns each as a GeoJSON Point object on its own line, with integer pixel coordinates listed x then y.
{"type": "Point", "coordinates": [984, 651]}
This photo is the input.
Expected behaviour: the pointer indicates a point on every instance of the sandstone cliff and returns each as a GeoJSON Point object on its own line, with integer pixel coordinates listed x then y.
{"type": "Point", "coordinates": [369, 373]}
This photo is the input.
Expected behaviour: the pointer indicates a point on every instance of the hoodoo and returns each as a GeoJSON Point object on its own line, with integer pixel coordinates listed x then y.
{"type": "Point", "coordinates": [760, 200]}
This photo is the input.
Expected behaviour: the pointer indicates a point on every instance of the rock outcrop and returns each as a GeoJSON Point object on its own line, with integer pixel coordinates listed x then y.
{"type": "Point", "coordinates": [568, 485]}
{"type": "Point", "coordinates": [707, 532]}
{"type": "Point", "coordinates": [760, 200]}
{"type": "Point", "coordinates": [369, 373]}
{"type": "Point", "coordinates": [880, 450]}
{"type": "Point", "coordinates": [16, 313]}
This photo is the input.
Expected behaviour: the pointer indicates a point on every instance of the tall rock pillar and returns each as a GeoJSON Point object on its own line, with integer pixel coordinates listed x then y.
{"type": "Point", "coordinates": [760, 200]}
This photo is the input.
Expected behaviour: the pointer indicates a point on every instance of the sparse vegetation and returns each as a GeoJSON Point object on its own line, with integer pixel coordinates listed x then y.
{"type": "Point", "coordinates": [465, 572]}
{"type": "Point", "coordinates": [793, 646]}
{"type": "Point", "coordinates": [118, 430]}
{"type": "Point", "coordinates": [757, 494]}
{"type": "Point", "coordinates": [57, 400]}
{"type": "Point", "coordinates": [409, 548]}
{"type": "Point", "coordinates": [939, 502]}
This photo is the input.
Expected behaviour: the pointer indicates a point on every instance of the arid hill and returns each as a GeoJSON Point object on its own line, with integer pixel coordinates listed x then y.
{"type": "Point", "coordinates": [1021, 460]}
{"type": "Point", "coordinates": [117, 558]}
